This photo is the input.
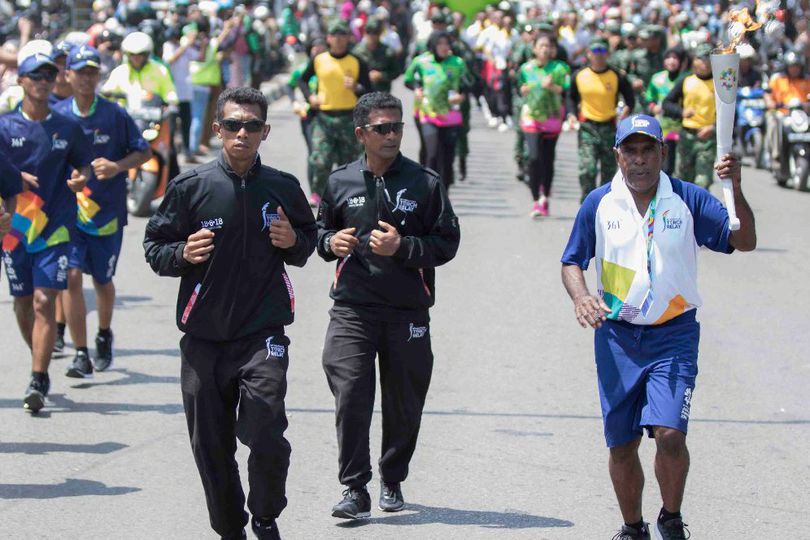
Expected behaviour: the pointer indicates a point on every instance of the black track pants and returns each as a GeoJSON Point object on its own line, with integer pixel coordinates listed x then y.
{"type": "Point", "coordinates": [230, 390]}
{"type": "Point", "coordinates": [406, 364]}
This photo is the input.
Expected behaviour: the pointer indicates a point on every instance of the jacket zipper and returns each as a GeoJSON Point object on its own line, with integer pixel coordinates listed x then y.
{"type": "Point", "coordinates": [380, 184]}
{"type": "Point", "coordinates": [244, 221]}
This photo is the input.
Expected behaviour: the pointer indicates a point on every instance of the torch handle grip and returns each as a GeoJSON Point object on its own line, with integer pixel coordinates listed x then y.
{"type": "Point", "coordinates": [728, 196]}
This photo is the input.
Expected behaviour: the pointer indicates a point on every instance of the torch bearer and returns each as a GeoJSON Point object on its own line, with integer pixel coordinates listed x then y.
{"type": "Point", "coordinates": [725, 70]}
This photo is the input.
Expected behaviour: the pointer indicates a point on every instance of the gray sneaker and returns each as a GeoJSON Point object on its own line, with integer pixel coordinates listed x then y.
{"type": "Point", "coordinates": [631, 533]}
{"type": "Point", "coordinates": [104, 353]}
{"type": "Point", "coordinates": [80, 368]}
{"type": "Point", "coordinates": [673, 529]}
{"type": "Point", "coordinates": [34, 398]}
{"type": "Point", "coordinates": [391, 499]}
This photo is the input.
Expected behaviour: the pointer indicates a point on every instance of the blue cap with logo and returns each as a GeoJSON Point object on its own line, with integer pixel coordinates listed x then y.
{"type": "Point", "coordinates": [639, 123]}
{"type": "Point", "coordinates": [33, 63]}
{"type": "Point", "coordinates": [84, 56]}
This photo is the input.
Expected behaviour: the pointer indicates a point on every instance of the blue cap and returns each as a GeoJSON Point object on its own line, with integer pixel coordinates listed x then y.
{"type": "Point", "coordinates": [84, 56]}
{"type": "Point", "coordinates": [639, 123]}
{"type": "Point", "coordinates": [33, 63]}
{"type": "Point", "coordinates": [62, 48]}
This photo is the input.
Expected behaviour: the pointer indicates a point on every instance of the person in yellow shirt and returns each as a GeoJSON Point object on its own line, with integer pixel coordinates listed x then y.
{"type": "Point", "coordinates": [342, 78]}
{"type": "Point", "coordinates": [784, 88]}
{"type": "Point", "coordinates": [692, 101]}
{"type": "Point", "coordinates": [596, 93]}
{"type": "Point", "coordinates": [140, 75]}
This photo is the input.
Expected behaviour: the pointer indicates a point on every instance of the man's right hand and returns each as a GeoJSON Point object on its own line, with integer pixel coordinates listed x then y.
{"type": "Point", "coordinates": [343, 242]}
{"type": "Point", "coordinates": [590, 311]}
{"type": "Point", "coordinates": [688, 113]}
{"type": "Point", "coordinates": [29, 181]}
{"type": "Point", "coordinates": [199, 246]}
{"type": "Point", "coordinates": [314, 101]}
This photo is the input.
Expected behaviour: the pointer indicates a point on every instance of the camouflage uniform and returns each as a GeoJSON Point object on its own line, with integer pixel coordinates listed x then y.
{"type": "Point", "coordinates": [621, 59]}
{"type": "Point", "coordinates": [595, 148]}
{"type": "Point", "coordinates": [472, 80]}
{"type": "Point", "coordinates": [333, 143]}
{"type": "Point", "coordinates": [521, 53]}
{"type": "Point", "coordinates": [696, 158]}
{"type": "Point", "coordinates": [645, 65]}
{"type": "Point", "coordinates": [381, 59]}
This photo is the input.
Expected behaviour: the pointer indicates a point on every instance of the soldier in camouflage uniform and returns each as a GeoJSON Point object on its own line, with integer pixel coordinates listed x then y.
{"type": "Point", "coordinates": [382, 63]}
{"type": "Point", "coordinates": [647, 61]}
{"type": "Point", "coordinates": [521, 53]}
{"type": "Point", "coordinates": [472, 80]}
{"type": "Point", "coordinates": [621, 56]}
{"type": "Point", "coordinates": [692, 100]}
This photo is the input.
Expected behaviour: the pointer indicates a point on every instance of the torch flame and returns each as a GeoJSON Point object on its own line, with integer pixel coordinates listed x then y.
{"type": "Point", "coordinates": [742, 21]}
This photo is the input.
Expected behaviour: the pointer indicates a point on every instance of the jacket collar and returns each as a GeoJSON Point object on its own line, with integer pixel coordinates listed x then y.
{"type": "Point", "coordinates": [227, 168]}
{"type": "Point", "coordinates": [394, 168]}
{"type": "Point", "coordinates": [621, 191]}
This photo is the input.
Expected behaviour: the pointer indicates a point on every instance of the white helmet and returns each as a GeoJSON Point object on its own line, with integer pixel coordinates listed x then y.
{"type": "Point", "coordinates": [745, 50]}
{"type": "Point", "coordinates": [137, 43]}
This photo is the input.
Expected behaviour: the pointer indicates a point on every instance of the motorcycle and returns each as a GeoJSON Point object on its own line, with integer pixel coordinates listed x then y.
{"type": "Point", "coordinates": [794, 166]}
{"type": "Point", "coordinates": [751, 124]}
{"type": "Point", "coordinates": [148, 182]}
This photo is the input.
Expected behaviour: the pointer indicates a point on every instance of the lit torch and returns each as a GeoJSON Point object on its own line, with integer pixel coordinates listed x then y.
{"type": "Point", "coordinates": [725, 72]}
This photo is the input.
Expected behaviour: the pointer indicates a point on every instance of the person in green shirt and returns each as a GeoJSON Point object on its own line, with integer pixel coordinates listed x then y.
{"type": "Point", "coordinates": [660, 85]}
{"type": "Point", "coordinates": [437, 78]}
{"type": "Point", "coordinates": [382, 63]}
{"type": "Point", "coordinates": [302, 108]}
{"type": "Point", "coordinates": [542, 81]}
{"type": "Point", "coordinates": [522, 52]}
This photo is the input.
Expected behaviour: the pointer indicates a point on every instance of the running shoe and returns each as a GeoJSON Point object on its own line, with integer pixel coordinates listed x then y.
{"type": "Point", "coordinates": [356, 504]}
{"type": "Point", "coordinates": [104, 355]}
{"type": "Point", "coordinates": [673, 529]}
{"type": "Point", "coordinates": [265, 529]}
{"type": "Point", "coordinates": [537, 210]}
{"type": "Point", "coordinates": [81, 368]}
{"type": "Point", "coordinates": [631, 533]}
{"type": "Point", "coordinates": [391, 499]}
{"type": "Point", "coordinates": [314, 200]}
{"type": "Point", "coordinates": [59, 344]}
{"type": "Point", "coordinates": [544, 208]}
{"type": "Point", "coordinates": [34, 398]}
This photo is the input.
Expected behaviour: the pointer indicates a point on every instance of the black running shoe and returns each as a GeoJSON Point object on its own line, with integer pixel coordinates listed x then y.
{"type": "Point", "coordinates": [265, 529]}
{"type": "Point", "coordinates": [104, 355]}
{"type": "Point", "coordinates": [673, 529]}
{"type": "Point", "coordinates": [391, 497]}
{"type": "Point", "coordinates": [59, 344]}
{"type": "Point", "coordinates": [34, 398]}
{"type": "Point", "coordinates": [81, 368]}
{"type": "Point", "coordinates": [356, 504]}
{"type": "Point", "coordinates": [631, 533]}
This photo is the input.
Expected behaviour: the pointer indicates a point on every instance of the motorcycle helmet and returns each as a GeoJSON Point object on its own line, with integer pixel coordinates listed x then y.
{"type": "Point", "coordinates": [137, 43]}
{"type": "Point", "coordinates": [792, 59]}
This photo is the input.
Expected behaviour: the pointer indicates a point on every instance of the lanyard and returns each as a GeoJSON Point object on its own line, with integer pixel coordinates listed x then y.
{"type": "Point", "coordinates": [650, 228]}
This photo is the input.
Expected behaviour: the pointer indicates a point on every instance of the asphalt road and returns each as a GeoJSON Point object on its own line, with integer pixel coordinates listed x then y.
{"type": "Point", "coordinates": [511, 444]}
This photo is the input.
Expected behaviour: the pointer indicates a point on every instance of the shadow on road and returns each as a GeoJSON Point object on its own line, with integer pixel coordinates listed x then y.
{"type": "Point", "coordinates": [417, 514]}
{"type": "Point", "coordinates": [175, 353]}
{"type": "Point", "coordinates": [129, 378]}
{"type": "Point", "coordinates": [71, 487]}
{"type": "Point", "coordinates": [42, 448]}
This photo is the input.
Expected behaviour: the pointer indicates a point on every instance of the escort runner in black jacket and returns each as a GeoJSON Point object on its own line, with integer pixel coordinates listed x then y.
{"type": "Point", "coordinates": [389, 223]}
{"type": "Point", "coordinates": [227, 228]}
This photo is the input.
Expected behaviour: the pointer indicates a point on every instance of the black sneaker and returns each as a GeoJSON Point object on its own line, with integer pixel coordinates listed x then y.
{"type": "Point", "coordinates": [81, 368]}
{"type": "Point", "coordinates": [673, 529]}
{"type": "Point", "coordinates": [356, 504]}
{"type": "Point", "coordinates": [104, 355]}
{"type": "Point", "coordinates": [34, 398]}
{"type": "Point", "coordinates": [265, 529]}
{"type": "Point", "coordinates": [59, 344]}
{"type": "Point", "coordinates": [631, 533]}
{"type": "Point", "coordinates": [391, 497]}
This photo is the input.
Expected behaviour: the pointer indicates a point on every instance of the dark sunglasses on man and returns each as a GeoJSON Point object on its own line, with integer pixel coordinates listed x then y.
{"type": "Point", "coordinates": [234, 126]}
{"type": "Point", "coordinates": [599, 50]}
{"type": "Point", "coordinates": [386, 128]}
{"type": "Point", "coordinates": [47, 75]}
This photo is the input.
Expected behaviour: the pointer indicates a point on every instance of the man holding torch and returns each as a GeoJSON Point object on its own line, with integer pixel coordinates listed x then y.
{"type": "Point", "coordinates": [644, 229]}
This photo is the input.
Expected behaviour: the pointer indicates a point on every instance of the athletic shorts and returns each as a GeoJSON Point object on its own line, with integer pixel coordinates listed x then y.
{"type": "Point", "coordinates": [46, 269]}
{"type": "Point", "coordinates": [646, 376]}
{"type": "Point", "coordinates": [96, 255]}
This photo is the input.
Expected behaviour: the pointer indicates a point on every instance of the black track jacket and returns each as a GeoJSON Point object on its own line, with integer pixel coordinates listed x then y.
{"type": "Point", "coordinates": [413, 199]}
{"type": "Point", "coordinates": [242, 289]}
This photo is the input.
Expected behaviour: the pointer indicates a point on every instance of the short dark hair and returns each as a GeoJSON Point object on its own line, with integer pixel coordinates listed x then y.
{"type": "Point", "coordinates": [371, 102]}
{"type": "Point", "coordinates": [242, 95]}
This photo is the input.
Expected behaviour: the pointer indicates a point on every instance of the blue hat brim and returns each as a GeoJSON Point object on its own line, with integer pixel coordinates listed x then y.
{"type": "Point", "coordinates": [83, 64]}
{"type": "Point", "coordinates": [37, 66]}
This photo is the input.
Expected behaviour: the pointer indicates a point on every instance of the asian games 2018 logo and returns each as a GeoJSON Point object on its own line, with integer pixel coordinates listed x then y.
{"type": "Point", "coordinates": [728, 78]}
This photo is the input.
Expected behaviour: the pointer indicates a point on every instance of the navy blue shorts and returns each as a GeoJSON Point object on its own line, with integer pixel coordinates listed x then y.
{"type": "Point", "coordinates": [46, 269]}
{"type": "Point", "coordinates": [646, 376]}
{"type": "Point", "coordinates": [96, 255]}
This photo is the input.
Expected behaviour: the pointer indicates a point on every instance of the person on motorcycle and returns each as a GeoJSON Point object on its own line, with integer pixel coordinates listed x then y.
{"type": "Point", "coordinates": [750, 76]}
{"type": "Point", "coordinates": [784, 88]}
{"type": "Point", "coordinates": [140, 74]}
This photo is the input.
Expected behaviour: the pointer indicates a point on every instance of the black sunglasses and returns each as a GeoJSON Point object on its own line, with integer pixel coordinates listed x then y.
{"type": "Point", "coordinates": [48, 75]}
{"type": "Point", "coordinates": [251, 126]}
{"type": "Point", "coordinates": [386, 128]}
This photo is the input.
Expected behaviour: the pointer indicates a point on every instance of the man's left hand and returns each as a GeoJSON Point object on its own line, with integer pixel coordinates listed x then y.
{"type": "Point", "coordinates": [705, 132]}
{"type": "Point", "coordinates": [385, 240]}
{"type": "Point", "coordinates": [104, 168]}
{"type": "Point", "coordinates": [77, 181]}
{"type": "Point", "coordinates": [728, 166]}
{"type": "Point", "coordinates": [282, 234]}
